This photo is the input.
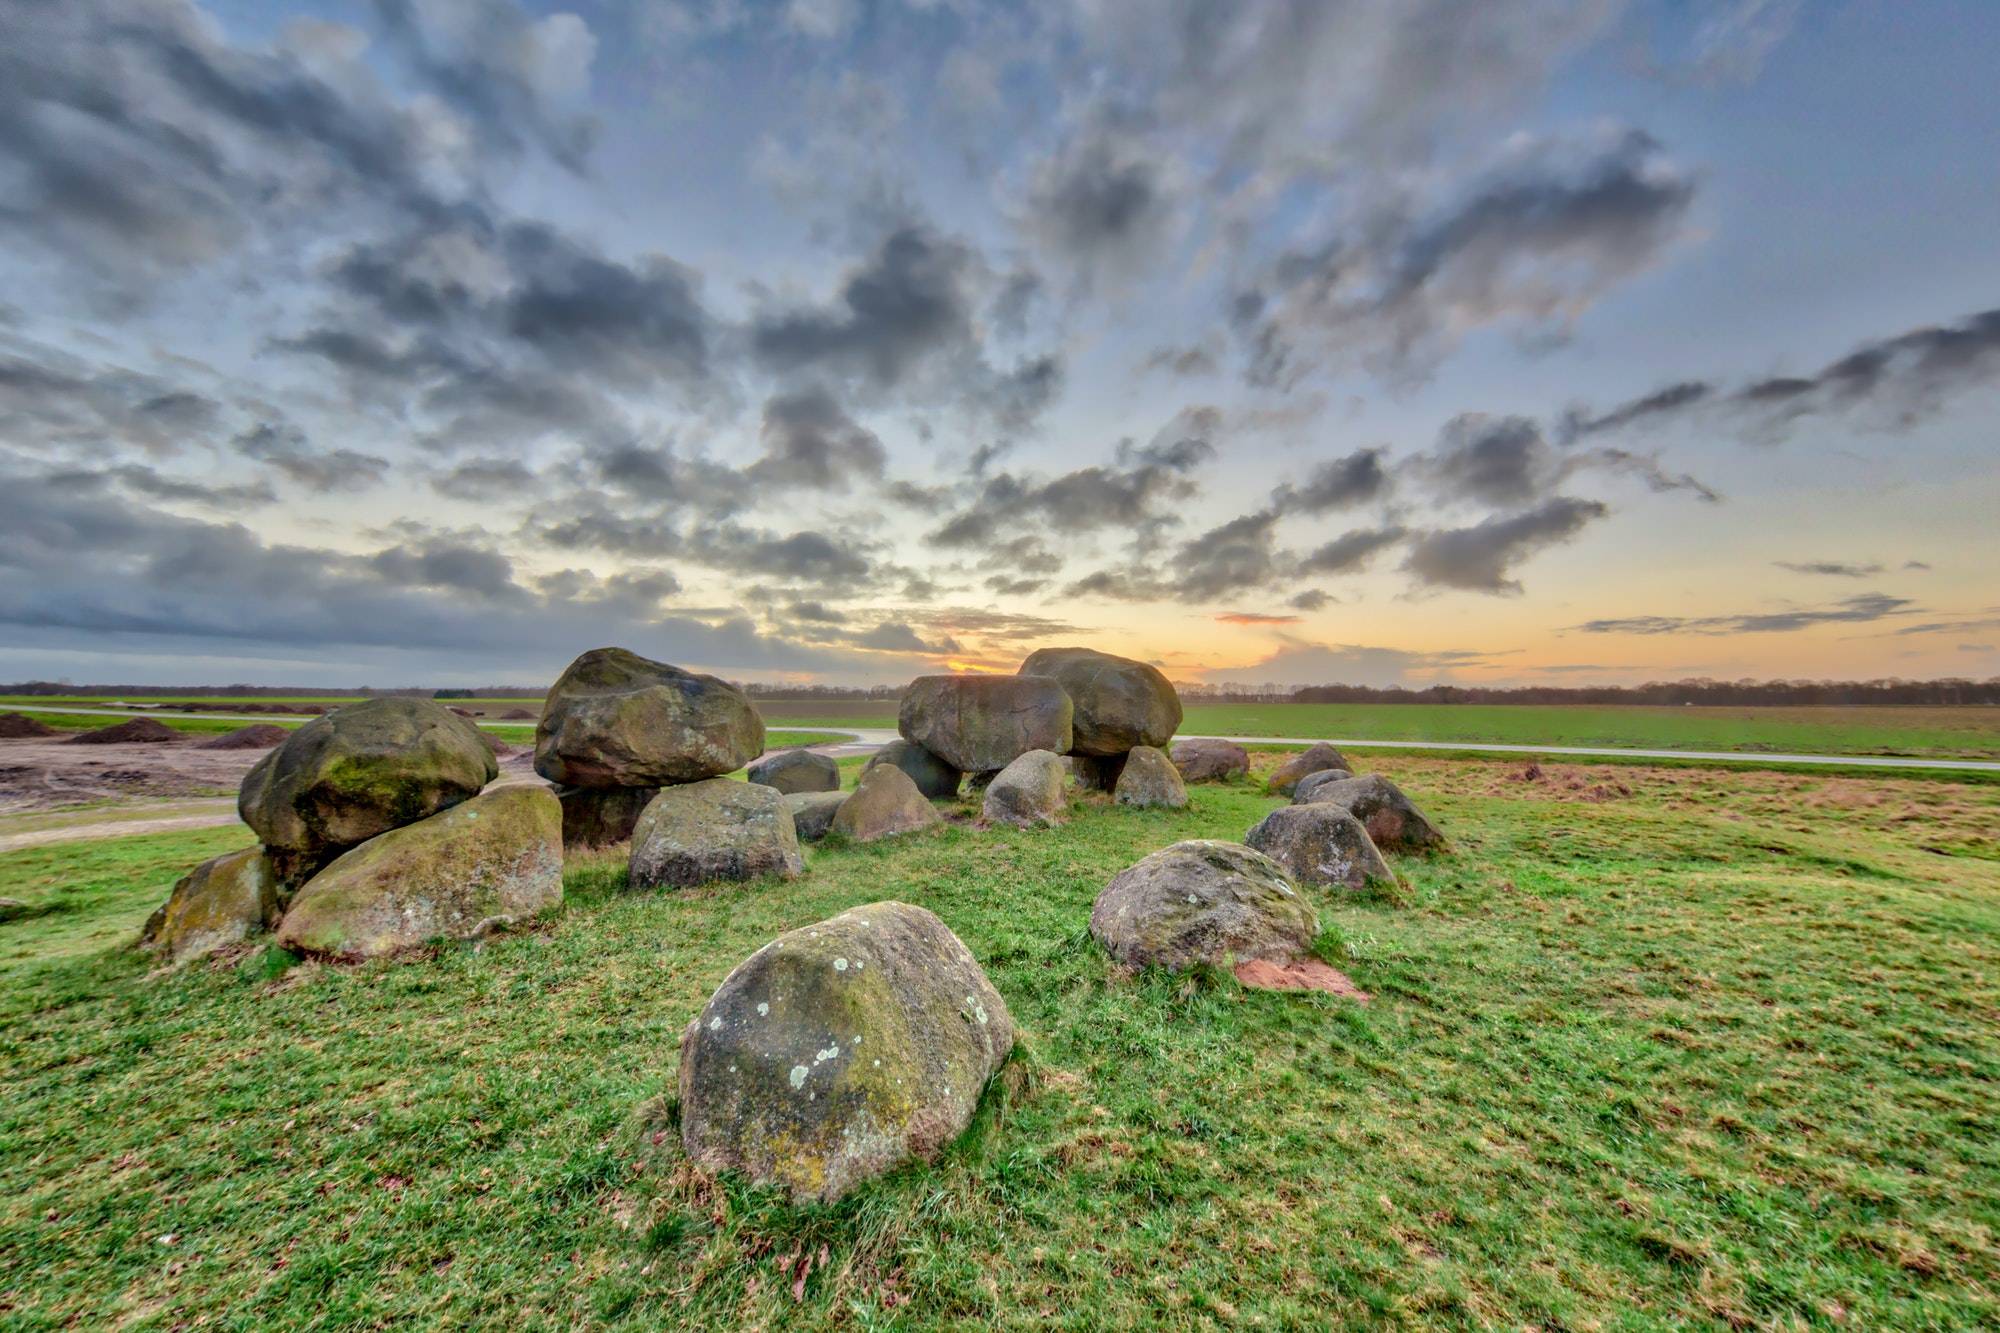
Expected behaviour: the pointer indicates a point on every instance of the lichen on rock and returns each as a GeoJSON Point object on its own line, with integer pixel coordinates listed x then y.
{"type": "Point", "coordinates": [223, 901]}
{"type": "Point", "coordinates": [1203, 901]}
{"type": "Point", "coordinates": [720, 829]}
{"type": "Point", "coordinates": [616, 719]}
{"type": "Point", "coordinates": [1150, 779]}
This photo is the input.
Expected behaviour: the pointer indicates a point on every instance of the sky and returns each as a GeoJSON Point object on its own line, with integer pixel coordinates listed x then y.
{"type": "Point", "coordinates": [1293, 341]}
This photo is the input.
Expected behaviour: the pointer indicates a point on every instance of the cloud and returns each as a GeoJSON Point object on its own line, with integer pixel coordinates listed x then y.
{"type": "Point", "coordinates": [1312, 599]}
{"type": "Point", "coordinates": [809, 440]}
{"type": "Point", "coordinates": [1339, 483]}
{"type": "Point", "coordinates": [909, 301]}
{"type": "Point", "coordinates": [1862, 609]}
{"type": "Point", "coordinates": [1506, 462]}
{"type": "Point", "coordinates": [1254, 618]}
{"type": "Point", "coordinates": [1104, 202]}
{"type": "Point", "coordinates": [1480, 558]}
{"type": "Point", "coordinates": [1351, 551]}
{"type": "Point", "coordinates": [284, 447]}
{"type": "Point", "coordinates": [54, 402]}
{"type": "Point", "coordinates": [1829, 567]}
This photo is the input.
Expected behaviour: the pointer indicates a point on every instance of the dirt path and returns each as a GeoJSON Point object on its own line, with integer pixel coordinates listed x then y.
{"type": "Point", "coordinates": [13, 842]}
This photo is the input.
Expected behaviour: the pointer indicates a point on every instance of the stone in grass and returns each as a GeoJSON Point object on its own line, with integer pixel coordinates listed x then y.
{"type": "Point", "coordinates": [223, 901]}
{"type": "Point", "coordinates": [1150, 779]}
{"type": "Point", "coordinates": [1318, 759]}
{"type": "Point", "coordinates": [1210, 761]}
{"type": "Point", "coordinates": [1310, 784]}
{"type": "Point", "coordinates": [885, 803]}
{"type": "Point", "coordinates": [602, 816]}
{"type": "Point", "coordinates": [839, 1051]}
{"type": "Point", "coordinates": [791, 771]}
{"type": "Point", "coordinates": [1028, 793]}
{"type": "Point", "coordinates": [719, 829]}
{"type": "Point", "coordinates": [1321, 845]}
{"type": "Point", "coordinates": [1391, 818]}
{"type": "Point", "coordinates": [1118, 702]}
{"type": "Point", "coordinates": [981, 724]}
{"type": "Point", "coordinates": [813, 812]}
{"type": "Point", "coordinates": [488, 864]}
{"type": "Point", "coordinates": [1203, 901]}
{"type": "Point", "coordinates": [1095, 772]}
{"type": "Point", "coordinates": [616, 719]}
{"type": "Point", "coordinates": [935, 778]}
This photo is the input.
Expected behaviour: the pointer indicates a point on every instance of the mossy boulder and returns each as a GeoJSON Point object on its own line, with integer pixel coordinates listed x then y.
{"type": "Point", "coordinates": [492, 862]}
{"type": "Point", "coordinates": [1316, 759]}
{"type": "Point", "coordinates": [839, 1051]}
{"type": "Point", "coordinates": [1148, 779]}
{"type": "Point", "coordinates": [1028, 793]}
{"type": "Point", "coordinates": [223, 901]}
{"type": "Point", "coordinates": [1391, 818]}
{"type": "Point", "coordinates": [981, 724]}
{"type": "Point", "coordinates": [1094, 772]}
{"type": "Point", "coordinates": [1203, 901]}
{"type": "Point", "coordinates": [719, 829]}
{"type": "Point", "coordinates": [1320, 845]}
{"type": "Point", "coordinates": [1310, 784]}
{"type": "Point", "coordinates": [813, 812]}
{"type": "Point", "coordinates": [790, 771]}
{"type": "Point", "coordinates": [616, 719]}
{"type": "Point", "coordinates": [885, 803]}
{"type": "Point", "coordinates": [935, 778]}
{"type": "Point", "coordinates": [1118, 702]}
{"type": "Point", "coordinates": [1210, 761]}
{"type": "Point", "coordinates": [358, 772]}
{"type": "Point", "coordinates": [602, 816]}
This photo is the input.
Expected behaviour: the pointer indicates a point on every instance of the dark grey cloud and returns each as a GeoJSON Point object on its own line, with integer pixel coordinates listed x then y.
{"type": "Point", "coordinates": [1831, 568]}
{"type": "Point", "coordinates": [1481, 558]}
{"type": "Point", "coordinates": [810, 557]}
{"type": "Point", "coordinates": [1350, 552]}
{"type": "Point", "coordinates": [1339, 483]}
{"type": "Point", "coordinates": [809, 440]}
{"type": "Point", "coordinates": [153, 484]}
{"type": "Point", "coordinates": [285, 447]}
{"type": "Point", "coordinates": [1229, 559]}
{"type": "Point", "coordinates": [485, 479]}
{"type": "Point", "coordinates": [1862, 609]}
{"type": "Point", "coordinates": [1103, 202]}
{"type": "Point", "coordinates": [909, 301]}
{"type": "Point", "coordinates": [1506, 462]}
{"type": "Point", "coordinates": [52, 401]}
{"type": "Point", "coordinates": [1312, 599]}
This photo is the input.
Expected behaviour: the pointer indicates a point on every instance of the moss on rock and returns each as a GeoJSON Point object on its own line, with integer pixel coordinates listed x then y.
{"type": "Point", "coordinates": [714, 830]}
{"type": "Point", "coordinates": [223, 901]}
{"type": "Point", "coordinates": [1119, 702]}
{"type": "Point", "coordinates": [1203, 901]}
{"type": "Point", "coordinates": [616, 719]}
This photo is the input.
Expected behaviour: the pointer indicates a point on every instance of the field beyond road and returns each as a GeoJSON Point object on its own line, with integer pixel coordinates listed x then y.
{"type": "Point", "coordinates": [1651, 1048]}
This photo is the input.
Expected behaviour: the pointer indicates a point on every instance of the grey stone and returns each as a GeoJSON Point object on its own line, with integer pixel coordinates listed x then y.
{"type": "Point", "coordinates": [981, 724]}
{"type": "Point", "coordinates": [223, 901]}
{"type": "Point", "coordinates": [1391, 818]}
{"type": "Point", "coordinates": [885, 802]}
{"type": "Point", "coordinates": [1028, 793]}
{"type": "Point", "coordinates": [1149, 779]}
{"type": "Point", "coordinates": [1308, 785]}
{"type": "Point", "coordinates": [935, 778]}
{"type": "Point", "coordinates": [718, 829]}
{"type": "Point", "coordinates": [616, 719]}
{"type": "Point", "coordinates": [813, 812]}
{"type": "Point", "coordinates": [1203, 901]}
{"type": "Point", "coordinates": [796, 770]}
{"type": "Point", "coordinates": [1210, 761]}
{"type": "Point", "coordinates": [1118, 702]}
{"type": "Point", "coordinates": [1317, 759]}
{"type": "Point", "coordinates": [602, 816]}
{"type": "Point", "coordinates": [1321, 845]}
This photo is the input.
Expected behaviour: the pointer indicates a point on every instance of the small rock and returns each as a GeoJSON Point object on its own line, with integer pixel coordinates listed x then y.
{"type": "Point", "coordinates": [1315, 760]}
{"type": "Point", "coordinates": [602, 816]}
{"type": "Point", "coordinates": [1118, 702]}
{"type": "Point", "coordinates": [1210, 761]}
{"type": "Point", "coordinates": [813, 812]}
{"type": "Point", "coordinates": [1203, 901]}
{"type": "Point", "coordinates": [935, 778]}
{"type": "Point", "coordinates": [1391, 818]}
{"type": "Point", "coordinates": [1095, 772]}
{"type": "Point", "coordinates": [1150, 779]}
{"type": "Point", "coordinates": [1312, 782]}
{"type": "Point", "coordinates": [796, 770]}
{"type": "Point", "coordinates": [885, 803]}
{"type": "Point", "coordinates": [719, 829]}
{"type": "Point", "coordinates": [616, 719]}
{"type": "Point", "coordinates": [1322, 845]}
{"type": "Point", "coordinates": [492, 862]}
{"type": "Point", "coordinates": [841, 1050]}
{"type": "Point", "coordinates": [981, 724]}
{"type": "Point", "coordinates": [224, 900]}
{"type": "Point", "coordinates": [1028, 793]}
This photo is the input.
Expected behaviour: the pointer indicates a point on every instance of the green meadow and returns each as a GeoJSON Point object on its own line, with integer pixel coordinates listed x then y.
{"type": "Point", "coordinates": [1651, 1048]}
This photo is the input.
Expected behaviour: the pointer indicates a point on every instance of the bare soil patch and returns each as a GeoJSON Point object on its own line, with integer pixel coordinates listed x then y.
{"type": "Point", "coordinates": [19, 726]}
{"type": "Point", "coordinates": [1305, 974]}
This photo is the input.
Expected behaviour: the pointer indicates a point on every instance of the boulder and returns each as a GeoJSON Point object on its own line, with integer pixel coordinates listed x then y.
{"type": "Point", "coordinates": [489, 863]}
{"type": "Point", "coordinates": [886, 802]}
{"type": "Point", "coordinates": [1203, 902]}
{"type": "Point", "coordinates": [719, 829]}
{"type": "Point", "coordinates": [934, 777]}
{"type": "Point", "coordinates": [1315, 760]}
{"type": "Point", "coordinates": [256, 736]}
{"type": "Point", "coordinates": [1210, 761]}
{"type": "Point", "coordinates": [139, 731]}
{"type": "Point", "coordinates": [796, 770]}
{"type": "Point", "coordinates": [602, 816]}
{"type": "Point", "coordinates": [224, 900]}
{"type": "Point", "coordinates": [1028, 793]}
{"type": "Point", "coordinates": [1312, 782]}
{"type": "Point", "coordinates": [981, 724]}
{"type": "Point", "coordinates": [1150, 779]}
{"type": "Point", "coordinates": [839, 1051]}
{"type": "Point", "coordinates": [1320, 845]}
{"type": "Point", "coordinates": [19, 726]}
{"type": "Point", "coordinates": [1095, 772]}
{"type": "Point", "coordinates": [1118, 703]}
{"type": "Point", "coordinates": [616, 719]}
{"type": "Point", "coordinates": [357, 772]}
{"type": "Point", "coordinates": [1391, 818]}
{"type": "Point", "coordinates": [813, 812]}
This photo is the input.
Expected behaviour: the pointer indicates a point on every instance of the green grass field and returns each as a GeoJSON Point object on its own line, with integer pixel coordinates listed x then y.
{"type": "Point", "coordinates": [1652, 1049]}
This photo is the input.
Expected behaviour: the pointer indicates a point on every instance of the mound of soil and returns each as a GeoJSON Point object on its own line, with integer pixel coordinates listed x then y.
{"type": "Point", "coordinates": [256, 736]}
{"type": "Point", "coordinates": [19, 726]}
{"type": "Point", "coordinates": [1304, 974]}
{"type": "Point", "coordinates": [139, 731]}
{"type": "Point", "coordinates": [519, 715]}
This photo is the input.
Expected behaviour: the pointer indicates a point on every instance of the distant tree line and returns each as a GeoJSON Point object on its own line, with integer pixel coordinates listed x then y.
{"type": "Point", "coordinates": [1715, 693]}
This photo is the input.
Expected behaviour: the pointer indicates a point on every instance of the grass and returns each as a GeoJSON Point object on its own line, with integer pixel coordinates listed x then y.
{"type": "Point", "coordinates": [1652, 1049]}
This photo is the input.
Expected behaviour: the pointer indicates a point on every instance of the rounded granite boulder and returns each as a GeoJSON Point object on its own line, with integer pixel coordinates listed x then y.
{"type": "Point", "coordinates": [1322, 845]}
{"type": "Point", "coordinates": [1028, 793]}
{"type": "Point", "coordinates": [719, 829]}
{"type": "Point", "coordinates": [225, 900]}
{"type": "Point", "coordinates": [1203, 901]}
{"type": "Point", "coordinates": [1118, 702]}
{"type": "Point", "coordinates": [1309, 785]}
{"type": "Point", "coordinates": [1210, 760]}
{"type": "Point", "coordinates": [1150, 779]}
{"type": "Point", "coordinates": [981, 724]}
{"type": "Point", "coordinates": [884, 803]}
{"type": "Point", "coordinates": [616, 719]}
{"type": "Point", "coordinates": [1391, 818]}
{"type": "Point", "coordinates": [1315, 759]}
{"type": "Point", "coordinates": [789, 771]}
{"type": "Point", "coordinates": [935, 778]}
{"type": "Point", "coordinates": [839, 1051]}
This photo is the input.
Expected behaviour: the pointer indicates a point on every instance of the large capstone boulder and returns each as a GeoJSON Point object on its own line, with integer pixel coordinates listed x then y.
{"type": "Point", "coordinates": [358, 772]}
{"type": "Point", "coordinates": [491, 863]}
{"type": "Point", "coordinates": [1391, 818]}
{"type": "Point", "coordinates": [934, 777]}
{"type": "Point", "coordinates": [1149, 778]}
{"type": "Point", "coordinates": [813, 812]}
{"type": "Point", "coordinates": [1309, 785]}
{"type": "Point", "coordinates": [1028, 793]}
{"type": "Point", "coordinates": [616, 719]}
{"type": "Point", "coordinates": [602, 816]}
{"type": "Point", "coordinates": [1094, 772]}
{"type": "Point", "coordinates": [788, 771]}
{"type": "Point", "coordinates": [1320, 845]}
{"type": "Point", "coordinates": [223, 901]}
{"type": "Point", "coordinates": [839, 1051]}
{"type": "Point", "coordinates": [1317, 759]}
{"type": "Point", "coordinates": [1203, 901]}
{"type": "Point", "coordinates": [886, 802]}
{"type": "Point", "coordinates": [1119, 703]}
{"type": "Point", "coordinates": [720, 829]}
{"type": "Point", "coordinates": [1210, 761]}
{"type": "Point", "coordinates": [981, 724]}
